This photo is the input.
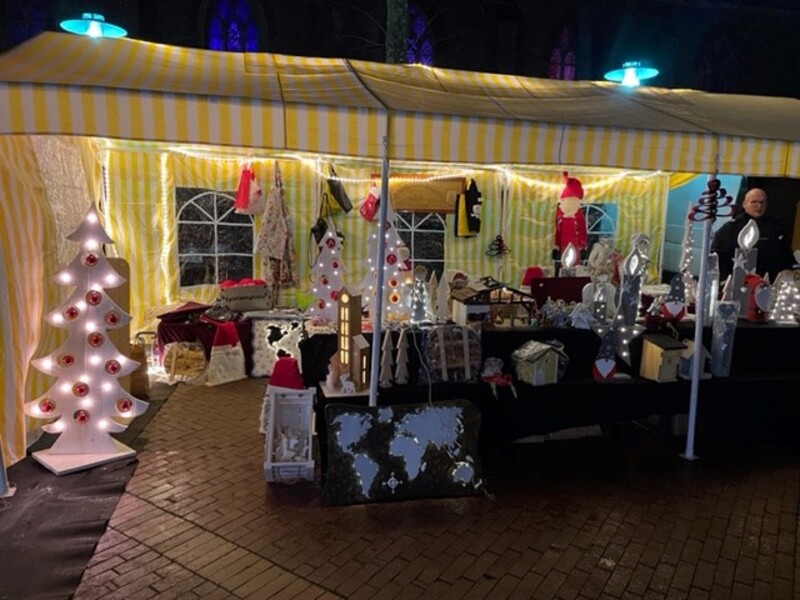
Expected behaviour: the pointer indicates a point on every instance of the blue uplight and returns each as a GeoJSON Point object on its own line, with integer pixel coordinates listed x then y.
{"type": "Point", "coordinates": [631, 74]}
{"type": "Point", "coordinates": [93, 25]}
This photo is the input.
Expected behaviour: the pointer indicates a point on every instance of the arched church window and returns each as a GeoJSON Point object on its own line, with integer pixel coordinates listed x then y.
{"type": "Point", "coordinates": [419, 48]}
{"type": "Point", "coordinates": [562, 56]}
{"type": "Point", "coordinates": [232, 27]}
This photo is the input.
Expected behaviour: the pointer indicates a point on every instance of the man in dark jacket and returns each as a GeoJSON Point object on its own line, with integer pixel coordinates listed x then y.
{"type": "Point", "coordinates": [774, 252]}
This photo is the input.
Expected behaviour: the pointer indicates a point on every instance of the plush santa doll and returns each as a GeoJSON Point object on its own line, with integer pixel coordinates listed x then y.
{"type": "Point", "coordinates": [570, 222]}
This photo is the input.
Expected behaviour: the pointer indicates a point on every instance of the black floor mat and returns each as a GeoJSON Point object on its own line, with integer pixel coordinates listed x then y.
{"type": "Point", "coordinates": [50, 527]}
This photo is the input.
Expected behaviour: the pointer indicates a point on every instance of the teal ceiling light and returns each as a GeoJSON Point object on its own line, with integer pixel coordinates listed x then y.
{"type": "Point", "coordinates": [631, 74]}
{"type": "Point", "coordinates": [93, 25]}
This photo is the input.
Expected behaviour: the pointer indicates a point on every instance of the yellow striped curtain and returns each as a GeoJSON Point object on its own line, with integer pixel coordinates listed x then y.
{"type": "Point", "coordinates": [28, 256]}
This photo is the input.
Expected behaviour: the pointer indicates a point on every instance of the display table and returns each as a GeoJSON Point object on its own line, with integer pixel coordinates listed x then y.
{"type": "Point", "coordinates": [759, 397]}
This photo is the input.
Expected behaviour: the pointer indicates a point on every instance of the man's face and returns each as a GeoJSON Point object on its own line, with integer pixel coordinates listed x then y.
{"type": "Point", "coordinates": [755, 203]}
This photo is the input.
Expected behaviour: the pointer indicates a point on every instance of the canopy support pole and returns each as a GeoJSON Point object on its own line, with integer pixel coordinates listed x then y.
{"type": "Point", "coordinates": [383, 211]}
{"type": "Point", "coordinates": [707, 212]}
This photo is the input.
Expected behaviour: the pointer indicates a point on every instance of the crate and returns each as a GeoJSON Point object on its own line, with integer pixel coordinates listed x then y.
{"type": "Point", "coordinates": [290, 431]}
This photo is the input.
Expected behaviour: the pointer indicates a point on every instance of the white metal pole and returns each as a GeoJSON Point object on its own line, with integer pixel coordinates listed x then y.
{"type": "Point", "coordinates": [383, 211]}
{"type": "Point", "coordinates": [6, 489]}
{"type": "Point", "coordinates": [697, 358]}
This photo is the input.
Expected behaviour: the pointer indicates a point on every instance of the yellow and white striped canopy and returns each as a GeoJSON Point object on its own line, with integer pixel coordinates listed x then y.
{"type": "Point", "coordinates": [128, 89]}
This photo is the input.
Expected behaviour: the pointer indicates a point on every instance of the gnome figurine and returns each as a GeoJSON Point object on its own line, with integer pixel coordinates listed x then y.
{"type": "Point", "coordinates": [570, 222]}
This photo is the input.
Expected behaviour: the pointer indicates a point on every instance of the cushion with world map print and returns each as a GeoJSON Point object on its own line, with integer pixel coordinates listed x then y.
{"type": "Point", "coordinates": [388, 453]}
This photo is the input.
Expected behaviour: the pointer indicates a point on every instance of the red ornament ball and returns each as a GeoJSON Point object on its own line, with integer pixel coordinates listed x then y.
{"type": "Point", "coordinates": [393, 282]}
{"type": "Point", "coordinates": [394, 298]}
{"type": "Point", "coordinates": [113, 367]}
{"type": "Point", "coordinates": [81, 416]}
{"type": "Point", "coordinates": [391, 259]}
{"type": "Point", "coordinates": [47, 406]}
{"type": "Point", "coordinates": [95, 339]}
{"type": "Point", "coordinates": [330, 243]}
{"type": "Point", "coordinates": [90, 259]}
{"type": "Point", "coordinates": [324, 281]}
{"type": "Point", "coordinates": [66, 360]}
{"type": "Point", "coordinates": [124, 405]}
{"type": "Point", "coordinates": [320, 304]}
{"type": "Point", "coordinates": [111, 317]}
{"type": "Point", "coordinates": [335, 264]}
{"type": "Point", "coordinates": [334, 295]}
{"type": "Point", "coordinates": [94, 297]}
{"type": "Point", "coordinates": [71, 313]}
{"type": "Point", "coordinates": [80, 389]}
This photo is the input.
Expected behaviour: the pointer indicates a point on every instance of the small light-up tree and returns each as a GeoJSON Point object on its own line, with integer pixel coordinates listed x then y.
{"type": "Point", "coordinates": [86, 403]}
{"type": "Point", "coordinates": [327, 277]}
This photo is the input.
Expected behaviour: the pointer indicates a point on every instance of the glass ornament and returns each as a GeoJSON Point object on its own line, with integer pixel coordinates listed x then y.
{"type": "Point", "coordinates": [94, 297]}
{"type": "Point", "coordinates": [66, 360]}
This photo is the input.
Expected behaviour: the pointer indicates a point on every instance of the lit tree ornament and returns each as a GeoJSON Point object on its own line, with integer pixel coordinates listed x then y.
{"type": "Point", "coordinates": [787, 297]}
{"type": "Point", "coordinates": [83, 405]}
{"type": "Point", "coordinates": [327, 278]}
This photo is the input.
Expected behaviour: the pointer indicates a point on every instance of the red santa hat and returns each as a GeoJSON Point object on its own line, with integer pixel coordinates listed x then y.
{"type": "Point", "coordinates": [572, 187]}
{"type": "Point", "coordinates": [286, 374]}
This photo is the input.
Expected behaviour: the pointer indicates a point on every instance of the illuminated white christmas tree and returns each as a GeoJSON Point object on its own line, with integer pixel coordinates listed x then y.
{"type": "Point", "coordinates": [327, 277]}
{"type": "Point", "coordinates": [787, 297]}
{"type": "Point", "coordinates": [419, 300]}
{"type": "Point", "coordinates": [86, 403]}
{"type": "Point", "coordinates": [687, 256]}
{"type": "Point", "coordinates": [396, 276]}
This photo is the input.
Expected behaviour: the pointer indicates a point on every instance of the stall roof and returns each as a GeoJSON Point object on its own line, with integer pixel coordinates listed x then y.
{"type": "Point", "coordinates": [128, 89]}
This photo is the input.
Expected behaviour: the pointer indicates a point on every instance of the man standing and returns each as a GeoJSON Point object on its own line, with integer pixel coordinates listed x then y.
{"type": "Point", "coordinates": [774, 252]}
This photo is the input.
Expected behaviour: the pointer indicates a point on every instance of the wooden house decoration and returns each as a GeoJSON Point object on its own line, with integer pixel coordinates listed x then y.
{"type": "Point", "coordinates": [493, 302]}
{"type": "Point", "coordinates": [352, 348]}
{"type": "Point", "coordinates": [687, 362]}
{"type": "Point", "coordinates": [661, 355]}
{"type": "Point", "coordinates": [540, 363]}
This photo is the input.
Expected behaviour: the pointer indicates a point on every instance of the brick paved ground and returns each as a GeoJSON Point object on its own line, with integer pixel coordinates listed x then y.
{"type": "Point", "coordinates": [598, 518]}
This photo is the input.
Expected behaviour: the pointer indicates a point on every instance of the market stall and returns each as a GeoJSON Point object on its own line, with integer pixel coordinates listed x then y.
{"type": "Point", "coordinates": [126, 122]}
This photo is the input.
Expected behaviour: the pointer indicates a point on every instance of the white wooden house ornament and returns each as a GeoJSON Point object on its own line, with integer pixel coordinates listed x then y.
{"type": "Point", "coordinates": [352, 348]}
{"type": "Point", "coordinates": [661, 355]}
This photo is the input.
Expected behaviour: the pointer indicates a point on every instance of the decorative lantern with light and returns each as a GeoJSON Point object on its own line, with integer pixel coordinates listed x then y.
{"type": "Point", "coordinates": [631, 74]}
{"type": "Point", "coordinates": [94, 25]}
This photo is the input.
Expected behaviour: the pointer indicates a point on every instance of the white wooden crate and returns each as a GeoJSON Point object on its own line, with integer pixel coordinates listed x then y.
{"type": "Point", "coordinates": [290, 429]}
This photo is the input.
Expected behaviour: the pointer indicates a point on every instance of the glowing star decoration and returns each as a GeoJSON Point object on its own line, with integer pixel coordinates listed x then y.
{"type": "Point", "coordinates": [81, 406]}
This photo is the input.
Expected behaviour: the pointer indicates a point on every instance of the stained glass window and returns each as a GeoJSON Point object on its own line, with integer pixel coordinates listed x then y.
{"type": "Point", "coordinates": [562, 56]}
{"type": "Point", "coordinates": [419, 48]}
{"type": "Point", "coordinates": [232, 27]}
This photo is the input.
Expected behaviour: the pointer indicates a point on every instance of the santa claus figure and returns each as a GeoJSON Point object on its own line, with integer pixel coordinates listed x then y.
{"type": "Point", "coordinates": [570, 222]}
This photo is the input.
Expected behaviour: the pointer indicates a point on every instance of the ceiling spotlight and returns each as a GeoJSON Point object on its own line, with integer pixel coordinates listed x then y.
{"type": "Point", "coordinates": [631, 74]}
{"type": "Point", "coordinates": [93, 25]}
